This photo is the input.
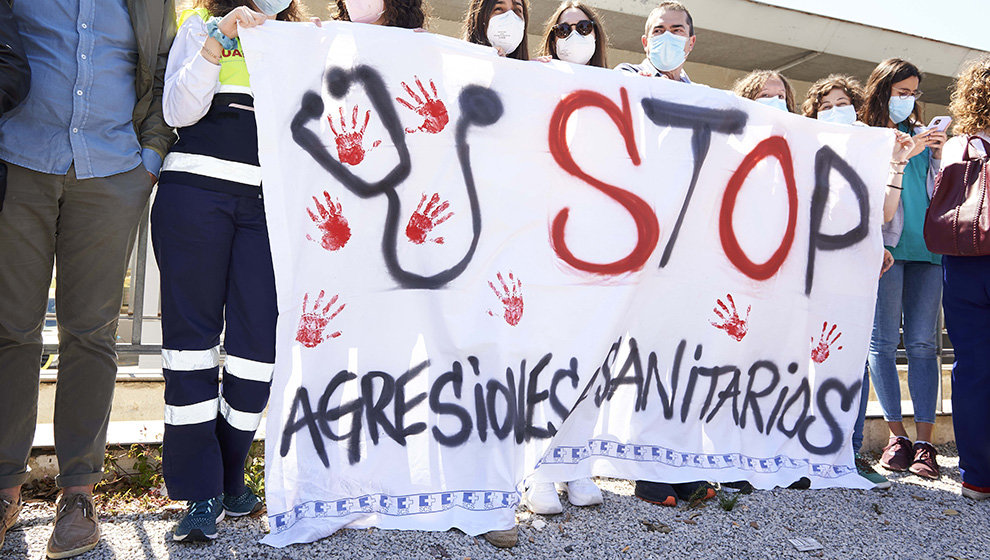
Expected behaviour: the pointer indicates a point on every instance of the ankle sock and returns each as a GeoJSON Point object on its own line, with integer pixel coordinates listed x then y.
{"type": "Point", "coordinates": [923, 441]}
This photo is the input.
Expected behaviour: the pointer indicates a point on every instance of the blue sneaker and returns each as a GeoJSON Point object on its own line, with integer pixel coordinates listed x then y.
{"type": "Point", "coordinates": [244, 504]}
{"type": "Point", "coordinates": [200, 522]}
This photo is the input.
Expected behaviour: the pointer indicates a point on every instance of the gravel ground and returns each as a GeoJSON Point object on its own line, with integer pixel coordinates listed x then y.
{"type": "Point", "coordinates": [914, 519]}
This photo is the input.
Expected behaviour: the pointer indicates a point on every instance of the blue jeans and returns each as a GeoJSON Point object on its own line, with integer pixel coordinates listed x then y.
{"type": "Point", "coordinates": [914, 290]}
{"type": "Point", "coordinates": [967, 316]}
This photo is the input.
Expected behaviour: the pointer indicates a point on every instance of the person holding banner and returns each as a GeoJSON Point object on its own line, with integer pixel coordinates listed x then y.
{"type": "Point", "coordinates": [836, 98]}
{"type": "Point", "coordinates": [211, 241]}
{"type": "Point", "coordinates": [575, 34]}
{"type": "Point", "coordinates": [499, 23]}
{"type": "Point", "coordinates": [668, 40]}
{"type": "Point", "coordinates": [408, 14]}
{"type": "Point", "coordinates": [912, 288]}
{"type": "Point", "coordinates": [966, 302]}
{"type": "Point", "coordinates": [768, 87]}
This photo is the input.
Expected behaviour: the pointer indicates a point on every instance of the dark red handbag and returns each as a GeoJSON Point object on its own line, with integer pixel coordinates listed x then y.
{"type": "Point", "coordinates": [958, 222]}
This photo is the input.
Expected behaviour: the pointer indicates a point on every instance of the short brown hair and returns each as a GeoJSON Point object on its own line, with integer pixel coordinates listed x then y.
{"type": "Point", "coordinates": [548, 46]}
{"type": "Point", "coordinates": [669, 6]}
{"type": "Point", "coordinates": [220, 8]}
{"type": "Point", "coordinates": [750, 86]}
{"type": "Point", "coordinates": [970, 99]}
{"type": "Point", "coordinates": [849, 85]}
{"type": "Point", "coordinates": [410, 14]}
{"type": "Point", "coordinates": [476, 26]}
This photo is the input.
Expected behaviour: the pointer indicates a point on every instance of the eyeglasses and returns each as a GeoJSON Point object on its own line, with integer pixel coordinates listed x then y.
{"type": "Point", "coordinates": [584, 27]}
{"type": "Point", "coordinates": [905, 94]}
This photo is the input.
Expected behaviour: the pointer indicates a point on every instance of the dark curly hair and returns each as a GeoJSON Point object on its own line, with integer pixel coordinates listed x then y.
{"type": "Point", "coordinates": [410, 14]}
{"type": "Point", "coordinates": [876, 110]}
{"type": "Point", "coordinates": [220, 8]}
{"type": "Point", "coordinates": [479, 12]}
{"type": "Point", "coordinates": [548, 46]}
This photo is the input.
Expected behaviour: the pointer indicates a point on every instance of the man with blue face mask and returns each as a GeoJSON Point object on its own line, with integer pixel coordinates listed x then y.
{"type": "Point", "coordinates": [668, 40]}
{"type": "Point", "coordinates": [82, 152]}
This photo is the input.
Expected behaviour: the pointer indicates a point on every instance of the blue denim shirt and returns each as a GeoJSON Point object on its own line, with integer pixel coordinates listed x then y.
{"type": "Point", "coordinates": [83, 56]}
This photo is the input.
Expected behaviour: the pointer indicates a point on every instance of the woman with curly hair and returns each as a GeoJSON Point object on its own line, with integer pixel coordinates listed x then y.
{"type": "Point", "coordinates": [912, 288]}
{"type": "Point", "coordinates": [966, 289]}
{"type": "Point", "coordinates": [836, 98]}
{"type": "Point", "coordinates": [575, 34]}
{"type": "Point", "coordinates": [499, 23]}
{"type": "Point", "coordinates": [768, 87]}
{"type": "Point", "coordinates": [408, 14]}
{"type": "Point", "coordinates": [211, 241]}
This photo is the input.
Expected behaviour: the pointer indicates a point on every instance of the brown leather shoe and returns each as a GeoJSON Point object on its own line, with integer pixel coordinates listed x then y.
{"type": "Point", "coordinates": [76, 528]}
{"type": "Point", "coordinates": [898, 455]}
{"type": "Point", "coordinates": [503, 539]}
{"type": "Point", "coordinates": [924, 461]}
{"type": "Point", "coordinates": [8, 516]}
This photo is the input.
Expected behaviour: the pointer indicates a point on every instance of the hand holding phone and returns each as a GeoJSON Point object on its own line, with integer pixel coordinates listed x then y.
{"type": "Point", "coordinates": [940, 124]}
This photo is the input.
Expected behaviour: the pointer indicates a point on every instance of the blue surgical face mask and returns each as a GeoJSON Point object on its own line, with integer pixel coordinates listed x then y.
{"type": "Point", "coordinates": [667, 51]}
{"type": "Point", "coordinates": [775, 102]}
{"type": "Point", "coordinates": [271, 7]}
{"type": "Point", "coordinates": [839, 115]}
{"type": "Point", "coordinates": [900, 109]}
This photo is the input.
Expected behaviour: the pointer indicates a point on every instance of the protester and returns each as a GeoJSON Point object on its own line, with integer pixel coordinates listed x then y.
{"type": "Point", "coordinates": [211, 241]}
{"type": "Point", "coordinates": [408, 14]}
{"type": "Point", "coordinates": [575, 34]}
{"type": "Point", "coordinates": [836, 99]}
{"type": "Point", "coordinates": [912, 286]}
{"type": "Point", "coordinates": [82, 152]}
{"type": "Point", "coordinates": [966, 301]}
{"type": "Point", "coordinates": [767, 87]}
{"type": "Point", "coordinates": [668, 40]}
{"type": "Point", "coordinates": [499, 23]}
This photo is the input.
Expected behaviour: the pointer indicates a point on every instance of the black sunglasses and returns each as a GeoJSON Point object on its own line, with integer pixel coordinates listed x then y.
{"type": "Point", "coordinates": [584, 27]}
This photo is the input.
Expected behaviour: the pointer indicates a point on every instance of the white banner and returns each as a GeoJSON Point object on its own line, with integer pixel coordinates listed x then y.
{"type": "Point", "coordinates": [490, 269]}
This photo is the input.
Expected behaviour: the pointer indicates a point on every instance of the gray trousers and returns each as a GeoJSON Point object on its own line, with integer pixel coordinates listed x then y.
{"type": "Point", "coordinates": [85, 227]}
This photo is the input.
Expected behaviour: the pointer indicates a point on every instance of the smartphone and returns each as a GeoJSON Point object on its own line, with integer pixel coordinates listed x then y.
{"type": "Point", "coordinates": [940, 124]}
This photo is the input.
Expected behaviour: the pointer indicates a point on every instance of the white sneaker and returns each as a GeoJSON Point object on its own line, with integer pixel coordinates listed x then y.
{"type": "Point", "coordinates": [542, 498]}
{"type": "Point", "coordinates": [583, 492]}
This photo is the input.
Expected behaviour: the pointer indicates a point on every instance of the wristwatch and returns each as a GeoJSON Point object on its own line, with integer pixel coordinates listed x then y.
{"type": "Point", "coordinates": [213, 30]}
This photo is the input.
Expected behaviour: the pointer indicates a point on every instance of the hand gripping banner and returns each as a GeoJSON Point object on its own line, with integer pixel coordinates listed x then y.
{"type": "Point", "coordinates": [490, 270]}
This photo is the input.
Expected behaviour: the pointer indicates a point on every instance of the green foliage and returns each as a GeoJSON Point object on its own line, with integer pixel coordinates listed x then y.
{"type": "Point", "coordinates": [145, 472]}
{"type": "Point", "coordinates": [727, 501]}
{"type": "Point", "coordinates": [254, 469]}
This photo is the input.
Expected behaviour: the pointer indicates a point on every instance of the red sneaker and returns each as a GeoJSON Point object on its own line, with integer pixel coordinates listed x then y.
{"type": "Point", "coordinates": [924, 463]}
{"type": "Point", "coordinates": [975, 492]}
{"type": "Point", "coordinates": [898, 455]}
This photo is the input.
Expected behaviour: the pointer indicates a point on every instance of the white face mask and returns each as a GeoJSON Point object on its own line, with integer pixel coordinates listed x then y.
{"type": "Point", "coordinates": [365, 11]}
{"type": "Point", "coordinates": [576, 48]}
{"type": "Point", "coordinates": [775, 102]}
{"type": "Point", "coordinates": [841, 115]}
{"type": "Point", "coordinates": [506, 31]}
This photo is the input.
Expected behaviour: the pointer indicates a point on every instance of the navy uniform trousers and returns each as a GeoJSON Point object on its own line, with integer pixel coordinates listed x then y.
{"type": "Point", "coordinates": [216, 271]}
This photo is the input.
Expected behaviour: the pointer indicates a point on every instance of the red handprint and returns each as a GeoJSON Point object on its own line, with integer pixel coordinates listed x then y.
{"type": "Point", "coordinates": [331, 222]}
{"type": "Point", "coordinates": [734, 325]}
{"type": "Point", "coordinates": [350, 144]}
{"type": "Point", "coordinates": [313, 323]}
{"type": "Point", "coordinates": [432, 109]}
{"type": "Point", "coordinates": [424, 219]}
{"type": "Point", "coordinates": [820, 353]}
{"type": "Point", "coordinates": [511, 298]}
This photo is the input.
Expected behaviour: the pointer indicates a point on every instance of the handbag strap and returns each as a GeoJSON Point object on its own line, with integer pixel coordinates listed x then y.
{"type": "Point", "coordinates": [969, 146]}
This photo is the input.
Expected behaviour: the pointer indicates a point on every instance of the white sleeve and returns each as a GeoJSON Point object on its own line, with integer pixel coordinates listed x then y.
{"type": "Point", "coordinates": [953, 150]}
{"type": "Point", "coordinates": [190, 79]}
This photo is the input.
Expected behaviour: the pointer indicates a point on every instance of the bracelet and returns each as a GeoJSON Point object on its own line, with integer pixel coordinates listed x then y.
{"type": "Point", "coordinates": [898, 163]}
{"type": "Point", "coordinates": [213, 30]}
{"type": "Point", "coordinates": [893, 187]}
{"type": "Point", "coordinates": [892, 172]}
